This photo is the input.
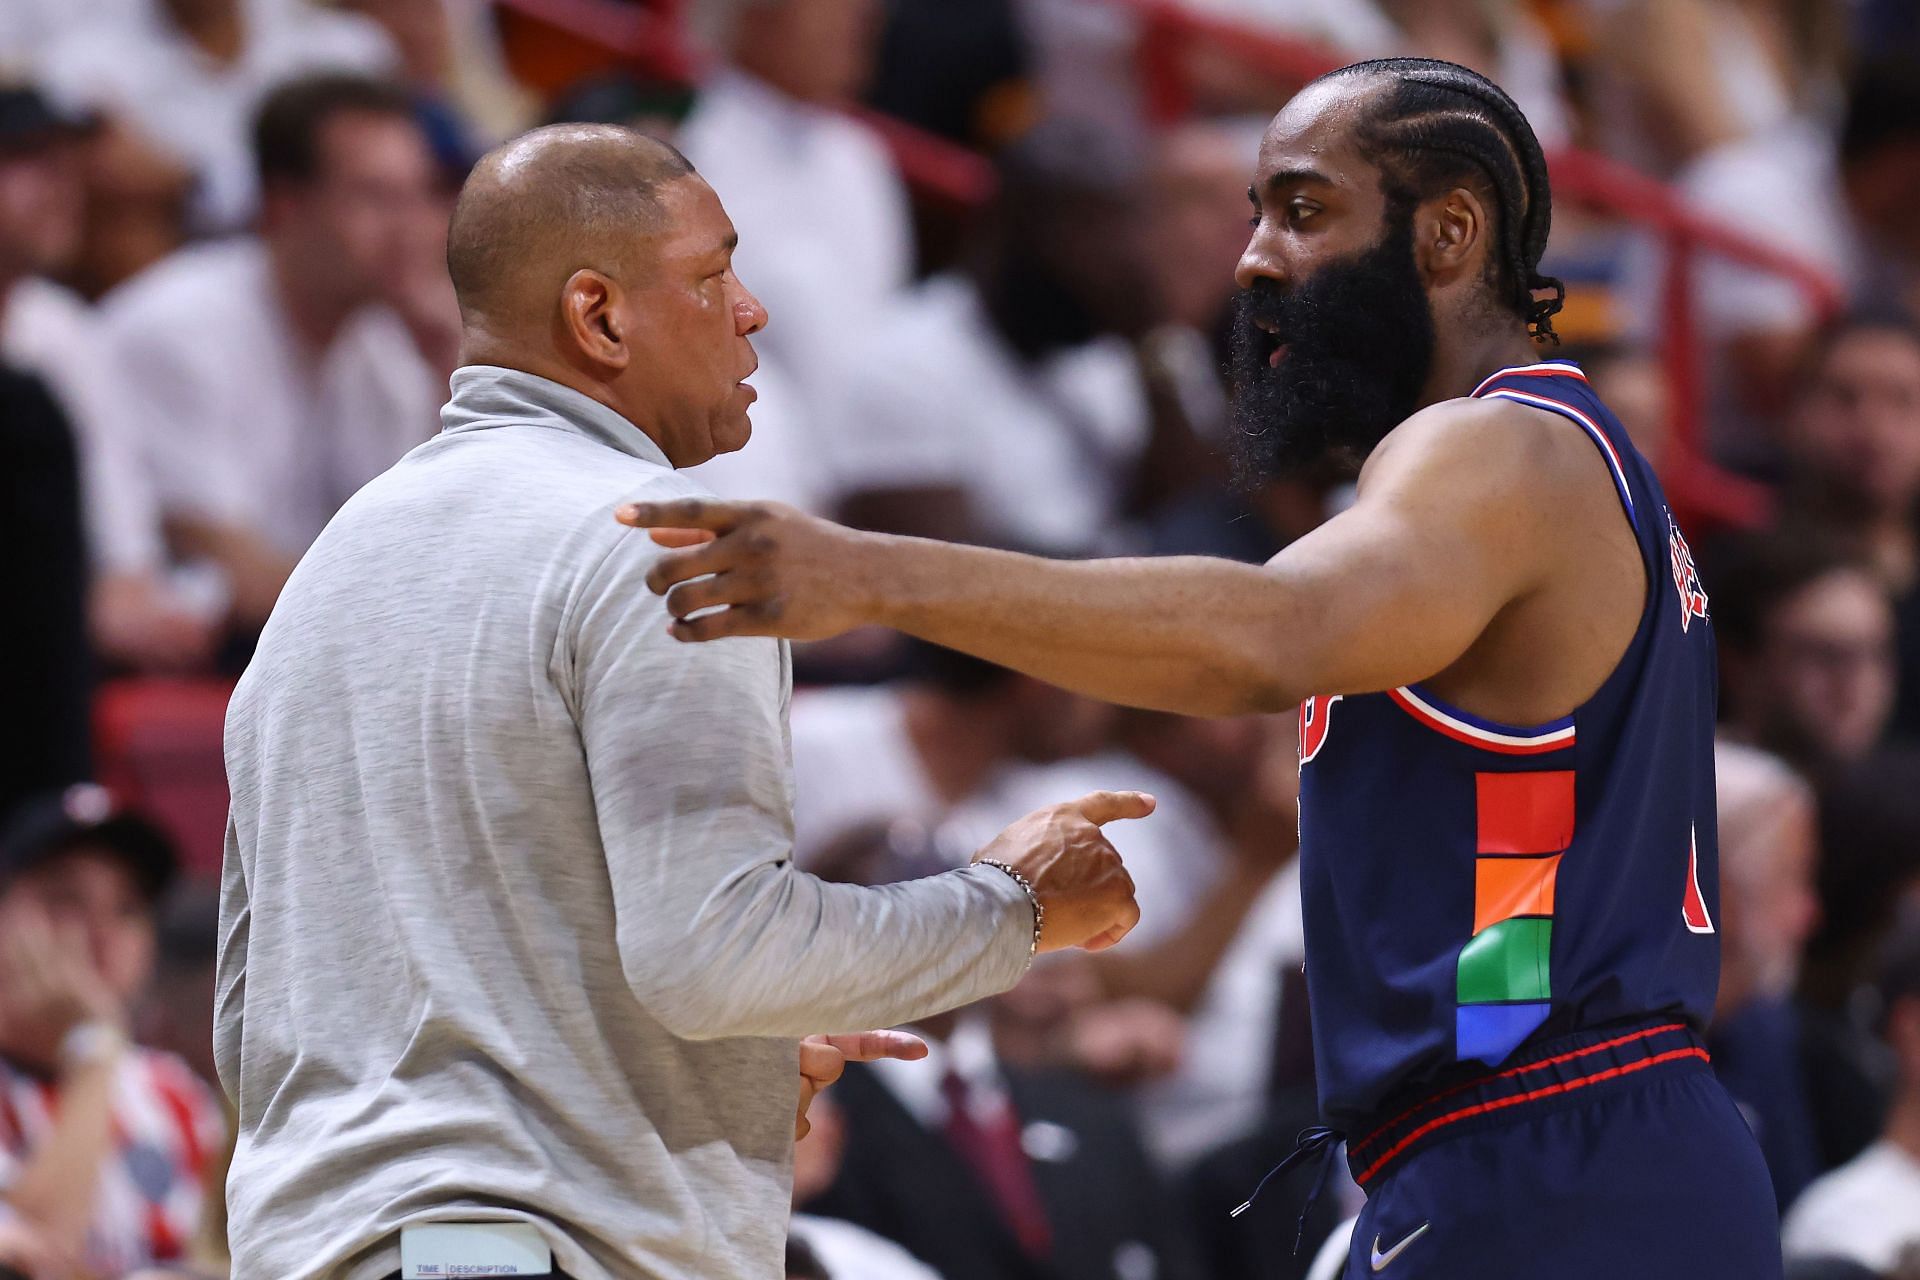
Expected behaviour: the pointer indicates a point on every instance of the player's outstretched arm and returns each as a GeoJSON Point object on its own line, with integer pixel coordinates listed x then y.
{"type": "Point", "coordinates": [1450, 526]}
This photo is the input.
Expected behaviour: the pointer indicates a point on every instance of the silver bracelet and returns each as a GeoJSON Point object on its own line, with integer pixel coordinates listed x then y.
{"type": "Point", "coordinates": [1039, 911]}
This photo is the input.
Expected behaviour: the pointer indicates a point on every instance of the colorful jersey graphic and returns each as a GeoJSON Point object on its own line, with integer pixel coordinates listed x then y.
{"type": "Point", "coordinates": [1470, 885]}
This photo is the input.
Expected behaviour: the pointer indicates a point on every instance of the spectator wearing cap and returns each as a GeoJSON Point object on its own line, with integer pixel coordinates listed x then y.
{"type": "Point", "coordinates": [282, 371]}
{"type": "Point", "coordinates": [49, 331]}
{"type": "Point", "coordinates": [103, 1145]}
{"type": "Point", "coordinates": [1868, 1210]}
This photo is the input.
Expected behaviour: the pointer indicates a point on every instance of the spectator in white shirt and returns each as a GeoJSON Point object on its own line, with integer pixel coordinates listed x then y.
{"type": "Point", "coordinates": [281, 372]}
{"type": "Point", "coordinates": [1868, 1210]}
{"type": "Point", "coordinates": [1004, 402]}
{"type": "Point", "coordinates": [29, 27]}
{"type": "Point", "coordinates": [46, 330]}
{"type": "Point", "coordinates": [189, 74]}
{"type": "Point", "coordinates": [826, 234]}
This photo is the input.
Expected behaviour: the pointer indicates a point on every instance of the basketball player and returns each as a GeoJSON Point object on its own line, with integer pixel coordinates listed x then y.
{"type": "Point", "coordinates": [1505, 674]}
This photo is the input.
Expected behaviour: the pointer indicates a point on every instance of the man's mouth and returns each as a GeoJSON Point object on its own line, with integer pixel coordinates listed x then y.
{"type": "Point", "coordinates": [1277, 349]}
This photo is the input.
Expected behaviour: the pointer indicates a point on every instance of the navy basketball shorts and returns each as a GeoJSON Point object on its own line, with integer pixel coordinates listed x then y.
{"type": "Point", "coordinates": [1609, 1155]}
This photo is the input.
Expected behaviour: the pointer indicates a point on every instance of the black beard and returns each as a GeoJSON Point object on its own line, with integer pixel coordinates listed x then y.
{"type": "Point", "coordinates": [1359, 340]}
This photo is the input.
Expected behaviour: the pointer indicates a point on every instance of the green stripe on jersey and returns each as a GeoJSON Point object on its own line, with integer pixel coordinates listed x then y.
{"type": "Point", "coordinates": [1507, 961]}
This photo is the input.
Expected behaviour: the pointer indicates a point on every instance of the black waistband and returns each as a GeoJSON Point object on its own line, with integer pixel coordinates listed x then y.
{"type": "Point", "coordinates": [1539, 1073]}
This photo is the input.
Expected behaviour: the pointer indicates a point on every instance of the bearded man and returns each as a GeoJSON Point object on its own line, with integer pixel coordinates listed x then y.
{"type": "Point", "coordinates": [1505, 675]}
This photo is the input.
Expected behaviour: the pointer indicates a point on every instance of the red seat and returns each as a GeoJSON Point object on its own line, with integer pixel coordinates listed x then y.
{"type": "Point", "coordinates": [157, 748]}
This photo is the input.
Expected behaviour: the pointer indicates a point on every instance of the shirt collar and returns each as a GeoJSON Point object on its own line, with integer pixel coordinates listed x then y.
{"type": "Point", "coordinates": [486, 395]}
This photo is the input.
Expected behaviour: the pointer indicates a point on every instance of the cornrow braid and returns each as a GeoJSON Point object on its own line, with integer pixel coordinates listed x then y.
{"type": "Point", "coordinates": [1436, 123]}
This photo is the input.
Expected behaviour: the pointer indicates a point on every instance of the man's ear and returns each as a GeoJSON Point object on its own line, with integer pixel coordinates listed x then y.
{"type": "Point", "coordinates": [1451, 236]}
{"type": "Point", "coordinates": [590, 319]}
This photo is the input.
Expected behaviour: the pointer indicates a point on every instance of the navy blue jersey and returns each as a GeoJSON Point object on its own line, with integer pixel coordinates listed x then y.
{"type": "Point", "coordinates": [1469, 885]}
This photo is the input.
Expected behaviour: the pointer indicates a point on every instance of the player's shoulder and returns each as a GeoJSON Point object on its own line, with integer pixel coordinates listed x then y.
{"type": "Point", "coordinates": [1474, 444]}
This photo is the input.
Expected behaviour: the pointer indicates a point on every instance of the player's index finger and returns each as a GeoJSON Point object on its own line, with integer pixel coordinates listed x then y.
{"type": "Point", "coordinates": [1102, 807]}
{"type": "Point", "coordinates": [681, 537]}
{"type": "Point", "coordinates": [682, 513]}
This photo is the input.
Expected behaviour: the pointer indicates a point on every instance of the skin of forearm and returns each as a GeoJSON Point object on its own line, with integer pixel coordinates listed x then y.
{"type": "Point", "coordinates": [1185, 634]}
{"type": "Point", "coordinates": [55, 1191]}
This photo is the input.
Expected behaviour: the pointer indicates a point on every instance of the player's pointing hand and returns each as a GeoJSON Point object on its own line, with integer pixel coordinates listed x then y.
{"type": "Point", "coordinates": [752, 569]}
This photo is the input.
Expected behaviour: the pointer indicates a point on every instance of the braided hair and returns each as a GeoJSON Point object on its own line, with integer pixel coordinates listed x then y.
{"type": "Point", "coordinates": [1437, 124]}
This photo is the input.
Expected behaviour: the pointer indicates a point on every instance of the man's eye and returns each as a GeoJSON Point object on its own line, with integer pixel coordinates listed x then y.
{"type": "Point", "coordinates": [1299, 212]}
{"type": "Point", "coordinates": [1254, 221]}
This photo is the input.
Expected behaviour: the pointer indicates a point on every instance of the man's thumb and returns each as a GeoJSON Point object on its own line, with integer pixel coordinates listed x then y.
{"type": "Point", "coordinates": [1102, 807]}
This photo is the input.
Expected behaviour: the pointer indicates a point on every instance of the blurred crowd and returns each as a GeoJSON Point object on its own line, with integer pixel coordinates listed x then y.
{"type": "Point", "coordinates": [223, 308]}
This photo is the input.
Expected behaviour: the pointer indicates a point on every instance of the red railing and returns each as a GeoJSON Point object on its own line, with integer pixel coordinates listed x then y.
{"type": "Point", "coordinates": [1169, 34]}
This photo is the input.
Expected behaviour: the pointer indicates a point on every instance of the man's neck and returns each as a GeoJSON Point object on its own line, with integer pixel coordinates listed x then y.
{"type": "Point", "coordinates": [1883, 533]}
{"type": "Point", "coordinates": [315, 311]}
{"type": "Point", "coordinates": [478, 346]}
{"type": "Point", "coordinates": [222, 37]}
{"type": "Point", "coordinates": [1903, 1122]}
{"type": "Point", "coordinates": [1467, 350]}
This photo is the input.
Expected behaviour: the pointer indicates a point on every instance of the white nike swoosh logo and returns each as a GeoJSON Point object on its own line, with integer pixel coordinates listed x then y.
{"type": "Point", "coordinates": [1381, 1260]}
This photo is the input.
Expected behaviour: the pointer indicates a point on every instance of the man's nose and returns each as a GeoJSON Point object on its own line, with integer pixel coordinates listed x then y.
{"type": "Point", "coordinates": [1256, 263]}
{"type": "Point", "coordinates": [749, 317]}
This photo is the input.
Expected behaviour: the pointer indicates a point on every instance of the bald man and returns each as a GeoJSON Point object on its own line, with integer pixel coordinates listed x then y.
{"type": "Point", "coordinates": [514, 965]}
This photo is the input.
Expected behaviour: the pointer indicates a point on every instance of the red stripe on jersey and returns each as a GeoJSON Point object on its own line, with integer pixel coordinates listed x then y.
{"type": "Point", "coordinates": [1544, 1091]}
{"type": "Point", "coordinates": [1525, 1067]}
{"type": "Point", "coordinates": [1420, 713]}
{"type": "Point", "coordinates": [1531, 371]}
